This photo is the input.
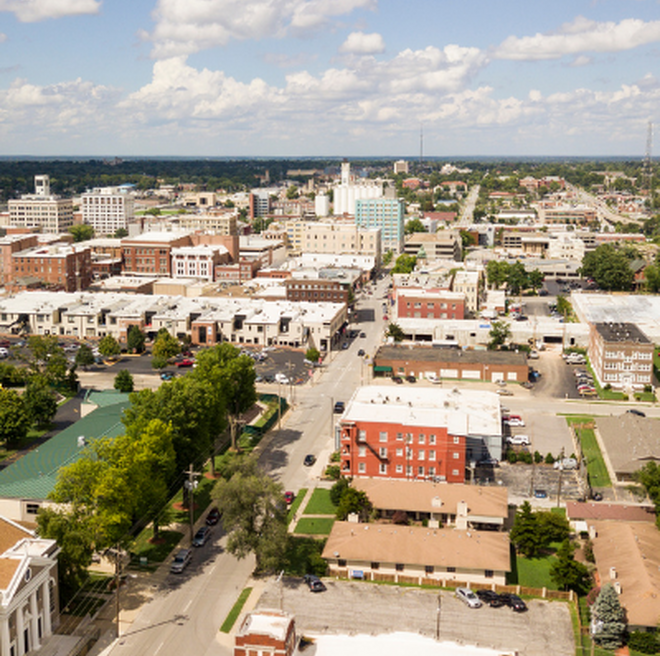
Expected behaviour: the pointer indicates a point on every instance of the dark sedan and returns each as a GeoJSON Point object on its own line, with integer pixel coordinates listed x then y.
{"type": "Point", "coordinates": [314, 583]}
{"type": "Point", "coordinates": [514, 602]}
{"type": "Point", "coordinates": [491, 598]}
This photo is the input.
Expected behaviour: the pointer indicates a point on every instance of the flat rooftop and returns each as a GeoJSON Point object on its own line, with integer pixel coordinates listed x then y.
{"type": "Point", "coordinates": [621, 332]}
{"type": "Point", "coordinates": [431, 354]}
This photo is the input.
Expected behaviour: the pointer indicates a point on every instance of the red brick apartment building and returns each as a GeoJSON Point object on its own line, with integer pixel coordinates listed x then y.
{"type": "Point", "coordinates": [417, 433]}
{"type": "Point", "coordinates": [151, 253]}
{"type": "Point", "coordinates": [270, 632]}
{"type": "Point", "coordinates": [59, 267]}
{"type": "Point", "coordinates": [621, 355]}
{"type": "Point", "coordinates": [429, 304]}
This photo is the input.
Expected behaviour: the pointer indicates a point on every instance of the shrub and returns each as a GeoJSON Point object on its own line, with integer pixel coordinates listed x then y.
{"type": "Point", "coordinates": [646, 643]}
{"type": "Point", "coordinates": [538, 458]}
{"type": "Point", "coordinates": [512, 457]}
{"type": "Point", "coordinates": [335, 457]}
{"type": "Point", "coordinates": [338, 489]}
{"type": "Point", "coordinates": [526, 457]}
{"type": "Point", "coordinates": [607, 387]}
{"type": "Point", "coordinates": [333, 472]}
{"type": "Point", "coordinates": [549, 459]}
{"type": "Point", "coordinates": [648, 388]}
{"type": "Point", "coordinates": [589, 551]}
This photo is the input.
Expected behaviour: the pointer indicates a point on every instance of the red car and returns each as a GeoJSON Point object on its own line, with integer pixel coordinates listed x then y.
{"type": "Point", "coordinates": [385, 317]}
{"type": "Point", "coordinates": [186, 362]}
{"type": "Point", "coordinates": [289, 497]}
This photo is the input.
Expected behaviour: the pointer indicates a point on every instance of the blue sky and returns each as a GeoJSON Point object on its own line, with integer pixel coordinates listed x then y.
{"type": "Point", "coordinates": [328, 77]}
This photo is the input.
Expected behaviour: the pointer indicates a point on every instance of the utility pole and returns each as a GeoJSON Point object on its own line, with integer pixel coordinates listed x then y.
{"type": "Point", "coordinates": [279, 406]}
{"type": "Point", "coordinates": [117, 578]}
{"type": "Point", "coordinates": [437, 623]}
{"type": "Point", "coordinates": [561, 471]}
{"type": "Point", "coordinates": [190, 485]}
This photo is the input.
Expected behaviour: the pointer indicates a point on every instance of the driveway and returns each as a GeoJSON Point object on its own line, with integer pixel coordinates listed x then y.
{"type": "Point", "coordinates": [351, 607]}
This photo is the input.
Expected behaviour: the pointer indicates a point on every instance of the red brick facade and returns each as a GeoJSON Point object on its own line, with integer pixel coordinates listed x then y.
{"type": "Point", "coordinates": [428, 305]}
{"type": "Point", "coordinates": [315, 291]}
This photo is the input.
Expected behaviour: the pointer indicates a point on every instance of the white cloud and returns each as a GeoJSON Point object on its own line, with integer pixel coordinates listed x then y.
{"type": "Point", "coordinates": [187, 26]}
{"type": "Point", "coordinates": [581, 35]}
{"type": "Point", "coordinates": [3, 37]}
{"type": "Point", "coordinates": [31, 11]}
{"type": "Point", "coordinates": [360, 43]}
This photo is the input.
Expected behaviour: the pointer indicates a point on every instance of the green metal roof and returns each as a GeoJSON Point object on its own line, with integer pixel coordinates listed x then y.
{"type": "Point", "coordinates": [35, 474]}
{"type": "Point", "coordinates": [105, 398]}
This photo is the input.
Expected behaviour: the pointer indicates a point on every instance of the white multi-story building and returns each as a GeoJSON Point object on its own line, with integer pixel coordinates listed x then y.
{"type": "Point", "coordinates": [197, 261]}
{"type": "Point", "coordinates": [386, 214]}
{"type": "Point", "coordinates": [400, 166]}
{"type": "Point", "coordinates": [566, 246]}
{"type": "Point", "coordinates": [107, 209]}
{"type": "Point", "coordinates": [42, 209]}
{"type": "Point", "coordinates": [322, 204]}
{"type": "Point", "coordinates": [29, 608]}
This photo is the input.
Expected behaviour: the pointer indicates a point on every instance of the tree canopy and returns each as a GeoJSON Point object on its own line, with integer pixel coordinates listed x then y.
{"type": "Point", "coordinates": [135, 339]}
{"type": "Point", "coordinates": [609, 267]}
{"type": "Point", "coordinates": [500, 332]}
{"type": "Point", "coordinates": [609, 618]}
{"type": "Point", "coordinates": [404, 263]}
{"type": "Point", "coordinates": [109, 347]}
{"type": "Point", "coordinates": [14, 420]}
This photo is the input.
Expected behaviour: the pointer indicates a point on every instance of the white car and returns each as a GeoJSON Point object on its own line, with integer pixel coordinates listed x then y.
{"type": "Point", "coordinates": [468, 597]}
{"type": "Point", "coordinates": [566, 463]}
{"type": "Point", "coordinates": [518, 440]}
{"type": "Point", "coordinates": [515, 421]}
{"type": "Point", "coordinates": [4, 353]}
{"type": "Point", "coordinates": [433, 379]}
{"type": "Point", "coordinates": [281, 378]}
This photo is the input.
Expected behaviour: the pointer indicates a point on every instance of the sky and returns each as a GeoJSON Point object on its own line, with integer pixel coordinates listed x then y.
{"type": "Point", "coordinates": [353, 78]}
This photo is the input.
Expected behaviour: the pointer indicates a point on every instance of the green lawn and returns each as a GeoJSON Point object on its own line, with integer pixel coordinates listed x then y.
{"type": "Point", "coordinates": [535, 572]}
{"type": "Point", "coordinates": [598, 474]}
{"type": "Point", "coordinates": [296, 504]}
{"type": "Point", "coordinates": [155, 553]}
{"type": "Point", "coordinates": [315, 525]}
{"type": "Point", "coordinates": [320, 504]}
{"type": "Point", "coordinates": [235, 611]}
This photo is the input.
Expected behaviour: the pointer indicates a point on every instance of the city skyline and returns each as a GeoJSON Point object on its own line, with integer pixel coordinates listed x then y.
{"type": "Point", "coordinates": [287, 78]}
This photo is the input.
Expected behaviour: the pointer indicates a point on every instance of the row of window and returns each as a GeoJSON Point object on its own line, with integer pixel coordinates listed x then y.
{"type": "Point", "coordinates": [627, 366]}
{"type": "Point", "coordinates": [383, 436]}
{"type": "Point", "coordinates": [409, 469]}
{"type": "Point", "coordinates": [617, 377]}
{"type": "Point", "coordinates": [638, 355]}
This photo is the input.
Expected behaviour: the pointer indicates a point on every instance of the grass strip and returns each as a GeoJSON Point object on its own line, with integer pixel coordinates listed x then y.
{"type": "Point", "coordinates": [320, 503]}
{"type": "Point", "coordinates": [296, 504]}
{"type": "Point", "coordinates": [315, 525]}
{"type": "Point", "coordinates": [235, 611]}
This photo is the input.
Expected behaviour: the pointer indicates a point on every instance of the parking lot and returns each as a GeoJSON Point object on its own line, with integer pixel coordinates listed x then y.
{"type": "Point", "coordinates": [365, 608]}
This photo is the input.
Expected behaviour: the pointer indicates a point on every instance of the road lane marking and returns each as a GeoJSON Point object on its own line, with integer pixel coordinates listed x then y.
{"type": "Point", "coordinates": [159, 648]}
{"type": "Point", "coordinates": [187, 606]}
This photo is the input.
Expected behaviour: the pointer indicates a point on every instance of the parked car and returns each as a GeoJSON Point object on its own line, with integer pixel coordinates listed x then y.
{"type": "Point", "coordinates": [4, 353]}
{"type": "Point", "coordinates": [503, 391]}
{"type": "Point", "coordinates": [213, 517]}
{"type": "Point", "coordinates": [344, 346]}
{"type": "Point", "coordinates": [541, 494]}
{"type": "Point", "coordinates": [5, 343]}
{"type": "Point", "coordinates": [314, 583]}
{"type": "Point", "coordinates": [491, 598]}
{"type": "Point", "coordinates": [432, 378]}
{"type": "Point", "coordinates": [363, 334]}
{"type": "Point", "coordinates": [397, 379]}
{"type": "Point", "coordinates": [533, 355]}
{"type": "Point", "coordinates": [515, 420]}
{"type": "Point", "coordinates": [639, 413]}
{"type": "Point", "coordinates": [281, 378]}
{"type": "Point", "coordinates": [566, 463]}
{"type": "Point", "coordinates": [514, 602]}
{"type": "Point", "coordinates": [181, 561]}
{"type": "Point", "coordinates": [167, 375]}
{"type": "Point", "coordinates": [518, 440]}
{"type": "Point", "coordinates": [468, 597]}
{"type": "Point", "coordinates": [596, 496]}
{"type": "Point", "coordinates": [589, 392]}
{"type": "Point", "coordinates": [411, 379]}
{"type": "Point", "coordinates": [186, 362]}
{"type": "Point", "coordinates": [309, 460]}
{"type": "Point", "coordinates": [340, 406]}
{"type": "Point", "coordinates": [202, 536]}
{"type": "Point", "coordinates": [289, 497]}
{"type": "Point", "coordinates": [360, 352]}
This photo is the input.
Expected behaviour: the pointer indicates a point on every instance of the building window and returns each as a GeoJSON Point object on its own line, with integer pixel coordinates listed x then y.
{"type": "Point", "coordinates": [420, 471]}
{"type": "Point", "coordinates": [431, 471]}
{"type": "Point", "coordinates": [382, 436]}
{"type": "Point", "coordinates": [428, 569]}
{"type": "Point", "coordinates": [450, 570]}
{"type": "Point", "coordinates": [422, 438]}
{"type": "Point", "coordinates": [454, 472]}
{"type": "Point", "coordinates": [399, 469]}
{"type": "Point", "coordinates": [421, 454]}
{"type": "Point", "coordinates": [362, 451]}
{"type": "Point", "coordinates": [341, 562]}
{"type": "Point", "coordinates": [382, 468]}
{"type": "Point", "coordinates": [362, 468]}
{"type": "Point", "coordinates": [383, 452]}
{"type": "Point", "coordinates": [375, 565]}
{"type": "Point", "coordinates": [399, 436]}
{"type": "Point", "coordinates": [399, 567]}
{"type": "Point", "coordinates": [431, 439]}
{"type": "Point", "coordinates": [399, 453]}
{"type": "Point", "coordinates": [408, 470]}
{"type": "Point", "coordinates": [457, 439]}
{"type": "Point", "coordinates": [488, 573]}
{"type": "Point", "coordinates": [456, 455]}
{"type": "Point", "coordinates": [32, 508]}
{"type": "Point", "coordinates": [431, 454]}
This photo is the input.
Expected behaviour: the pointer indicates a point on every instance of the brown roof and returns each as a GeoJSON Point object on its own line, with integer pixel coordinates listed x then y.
{"type": "Point", "coordinates": [613, 511]}
{"type": "Point", "coordinates": [8, 567]}
{"type": "Point", "coordinates": [11, 533]}
{"type": "Point", "coordinates": [425, 496]}
{"type": "Point", "coordinates": [630, 441]}
{"type": "Point", "coordinates": [417, 545]}
{"type": "Point", "coordinates": [633, 550]}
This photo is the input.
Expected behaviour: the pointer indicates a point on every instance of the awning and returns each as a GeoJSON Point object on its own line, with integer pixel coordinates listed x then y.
{"type": "Point", "coordinates": [381, 369]}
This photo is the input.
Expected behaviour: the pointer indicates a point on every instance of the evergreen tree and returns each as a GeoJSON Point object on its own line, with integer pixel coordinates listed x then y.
{"type": "Point", "coordinates": [525, 533]}
{"type": "Point", "coordinates": [124, 381]}
{"type": "Point", "coordinates": [568, 573]}
{"type": "Point", "coordinates": [609, 619]}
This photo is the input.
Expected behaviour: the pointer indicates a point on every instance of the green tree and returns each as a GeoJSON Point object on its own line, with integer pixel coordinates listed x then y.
{"type": "Point", "coordinates": [166, 346]}
{"type": "Point", "coordinates": [497, 273]}
{"type": "Point", "coordinates": [76, 548]}
{"type": "Point", "coordinates": [40, 402]}
{"type": "Point", "coordinates": [81, 232]}
{"type": "Point", "coordinates": [404, 263]}
{"type": "Point", "coordinates": [535, 279]}
{"type": "Point", "coordinates": [124, 381]}
{"type": "Point", "coordinates": [47, 358]}
{"type": "Point", "coordinates": [395, 332]}
{"type": "Point", "coordinates": [84, 356]}
{"type": "Point", "coordinates": [338, 489]}
{"type": "Point", "coordinates": [500, 332]}
{"type": "Point", "coordinates": [312, 354]}
{"type": "Point", "coordinates": [292, 192]}
{"type": "Point", "coordinates": [253, 515]}
{"type": "Point", "coordinates": [516, 279]}
{"type": "Point", "coordinates": [14, 420]}
{"type": "Point", "coordinates": [388, 256]}
{"type": "Point", "coordinates": [652, 278]}
{"type": "Point", "coordinates": [554, 527]}
{"type": "Point", "coordinates": [609, 267]}
{"type": "Point", "coordinates": [564, 306]}
{"type": "Point", "coordinates": [135, 340]}
{"type": "Point", "coordinates": [525, 533]}
{"type": "Point", "coordinates": [120, 233]}
{"type": "Point", "coordinates": [609, 619]}
{"type": "Point", "coordinates": [567, 573]}
{"type": "Point", "coordinates": [109, 347]}
{"type": "Point", "coordinates": [354, 501]}
{"type": "Point", "coordinates": [649, 478]}
{"type": "Point", "coordinates": [413, 226]}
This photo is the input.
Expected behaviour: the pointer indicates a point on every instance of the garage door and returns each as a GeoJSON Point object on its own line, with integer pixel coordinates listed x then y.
{"type": "Point", "coordinates": [449, 373]}
{"type": "Point", "coordinates": [471, 373]}
{"type": "Point", "coordinates": [497, 376]}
